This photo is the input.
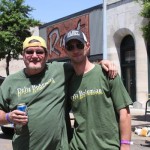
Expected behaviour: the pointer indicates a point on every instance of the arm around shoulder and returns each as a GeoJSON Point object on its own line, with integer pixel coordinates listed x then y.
{"type": "Point", "coordinates": [110, 67]}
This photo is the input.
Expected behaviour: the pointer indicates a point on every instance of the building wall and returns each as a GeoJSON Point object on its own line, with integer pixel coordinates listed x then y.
{"type": "Point", "coordinates": [89, 21]}
{"type": "Point", "coordinates": [122, 19]}
{"type": "Point", "coordinates": [14, 66]}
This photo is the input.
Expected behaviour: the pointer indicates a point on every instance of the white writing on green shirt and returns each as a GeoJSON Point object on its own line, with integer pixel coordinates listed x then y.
{"type": "Point", "coordinates": [34, 88]}
{"type": "Point", "coordinates": [82, 94]}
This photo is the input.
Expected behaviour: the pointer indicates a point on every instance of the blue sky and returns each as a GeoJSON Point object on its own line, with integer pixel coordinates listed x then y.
{"type": "Point", "coordinates": [50, 10]}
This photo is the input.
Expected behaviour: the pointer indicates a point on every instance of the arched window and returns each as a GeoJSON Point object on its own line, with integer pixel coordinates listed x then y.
{"type": "Point", "coordinates": [127, 50]}
{"type": "Point", "coordinates": [127, 55]}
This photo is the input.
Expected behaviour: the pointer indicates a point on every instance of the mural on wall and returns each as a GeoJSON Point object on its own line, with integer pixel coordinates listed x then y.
{"type": "Point", "coordinates": [56, 32]}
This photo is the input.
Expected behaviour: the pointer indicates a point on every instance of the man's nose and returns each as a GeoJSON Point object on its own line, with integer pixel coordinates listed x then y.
{"type": "Point", "coordinates": [34, 54]}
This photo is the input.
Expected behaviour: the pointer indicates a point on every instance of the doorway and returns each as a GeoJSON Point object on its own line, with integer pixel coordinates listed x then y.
{"type": "Point", "coordinates": [127, 53]}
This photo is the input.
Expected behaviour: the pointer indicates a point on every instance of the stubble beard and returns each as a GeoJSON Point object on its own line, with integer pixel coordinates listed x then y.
{"type": "Point", "coordinates": [79, 61]}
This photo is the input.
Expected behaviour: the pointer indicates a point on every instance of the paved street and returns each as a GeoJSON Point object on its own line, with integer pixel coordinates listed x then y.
{"type": "Point", "coordinates": [138, 120]}
{"type": "Point", "coordinates": [5, 142]}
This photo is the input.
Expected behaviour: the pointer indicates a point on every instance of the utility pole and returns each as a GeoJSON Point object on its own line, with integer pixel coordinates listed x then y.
{"type": "Point", "coordinates": [104, 29]}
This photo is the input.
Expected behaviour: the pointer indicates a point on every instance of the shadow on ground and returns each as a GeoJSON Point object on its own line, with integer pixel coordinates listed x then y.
{"type": "Point", "coordinates": [146, 144]}
{"type": "Point", "coordinates": [140, 121]}
{"type": "Point", "coordinates": [141, 118]}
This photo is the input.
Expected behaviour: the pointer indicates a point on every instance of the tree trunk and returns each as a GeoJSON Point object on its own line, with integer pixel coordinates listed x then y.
{"type": "Point", "coordinates": [8, 58]}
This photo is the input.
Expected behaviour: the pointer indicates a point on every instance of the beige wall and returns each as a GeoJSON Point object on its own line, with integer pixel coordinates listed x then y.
{"type": "Point", "coordinates": [14, 66]}
{"type": "Point", "coordinates": [123, 19]}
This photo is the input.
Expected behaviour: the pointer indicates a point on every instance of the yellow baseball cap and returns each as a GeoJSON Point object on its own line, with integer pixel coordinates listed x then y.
{"type": "Point", "coordinates": [39, 42]}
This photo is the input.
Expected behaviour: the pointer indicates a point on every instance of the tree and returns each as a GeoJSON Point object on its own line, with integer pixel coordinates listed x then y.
{"type": "Point", "coordinates": [15, 22]}
{"type": "Point", "coordinates": [145, 12]}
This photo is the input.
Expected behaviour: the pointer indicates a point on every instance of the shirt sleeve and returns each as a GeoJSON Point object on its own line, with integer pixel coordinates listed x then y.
{"type": "Point", "coordinates": [119, 94]}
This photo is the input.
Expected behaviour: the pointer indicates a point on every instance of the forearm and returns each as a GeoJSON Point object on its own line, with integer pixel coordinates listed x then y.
{"type": "Point", "coordinates": [3, 118]}
{"type": "Point", "coordinates": [125, 127]}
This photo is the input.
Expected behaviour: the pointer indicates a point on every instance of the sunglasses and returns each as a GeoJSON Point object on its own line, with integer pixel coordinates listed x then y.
{"type": "Point", "coordinates": [71, 47]}
{"type": "Point", "coordinates": [31, 52]}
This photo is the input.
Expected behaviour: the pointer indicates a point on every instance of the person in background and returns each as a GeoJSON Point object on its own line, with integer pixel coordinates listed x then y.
{"type": "Point", "coordinates": [43, 88]}
{"type": "Point", "coordinates": [100, 105]}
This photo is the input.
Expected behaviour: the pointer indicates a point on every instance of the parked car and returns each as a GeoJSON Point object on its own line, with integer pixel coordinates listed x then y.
{"type": "Point", "coordinates": [8, 128]}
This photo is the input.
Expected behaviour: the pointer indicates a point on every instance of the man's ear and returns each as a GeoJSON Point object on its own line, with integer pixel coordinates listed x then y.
{"type": "Point", "coordinates": [88, 44]}
{"type": "Point", "coordinates": [47, 55]}
{"type": "Point", "coordinates": [22, 53]}
{"type": "Point", "coordinates": [88, 47]}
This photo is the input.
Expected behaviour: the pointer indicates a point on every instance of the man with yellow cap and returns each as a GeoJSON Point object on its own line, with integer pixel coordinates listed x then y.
{"type": "Point", "coordinates": [42, 87]}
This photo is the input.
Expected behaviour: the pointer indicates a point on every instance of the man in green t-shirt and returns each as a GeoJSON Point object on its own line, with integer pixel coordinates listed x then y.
{"type": "Point", "coordinates": [42, 87]}
{"type": "Point", "coordinates": [100, 105]}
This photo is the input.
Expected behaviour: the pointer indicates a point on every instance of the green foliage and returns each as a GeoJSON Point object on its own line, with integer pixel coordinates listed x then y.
{"type": "Point", "coordinates": [15, 22]}
{"type": "Point", "coordinates": [146, 31]}
{"type": "Point", "coordinates": [145, 12]}
{"type": "Point", "coordinates": [146, 9]}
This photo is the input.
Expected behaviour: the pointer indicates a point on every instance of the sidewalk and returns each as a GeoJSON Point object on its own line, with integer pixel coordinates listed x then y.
{"type": "Point", "coordinates": [138, 120]}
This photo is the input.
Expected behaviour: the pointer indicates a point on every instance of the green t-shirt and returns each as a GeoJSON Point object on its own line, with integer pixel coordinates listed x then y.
{"type": "Point", "coordinates": [44, 95]}
{"type": "Point", "coordinates": [95, 100]}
